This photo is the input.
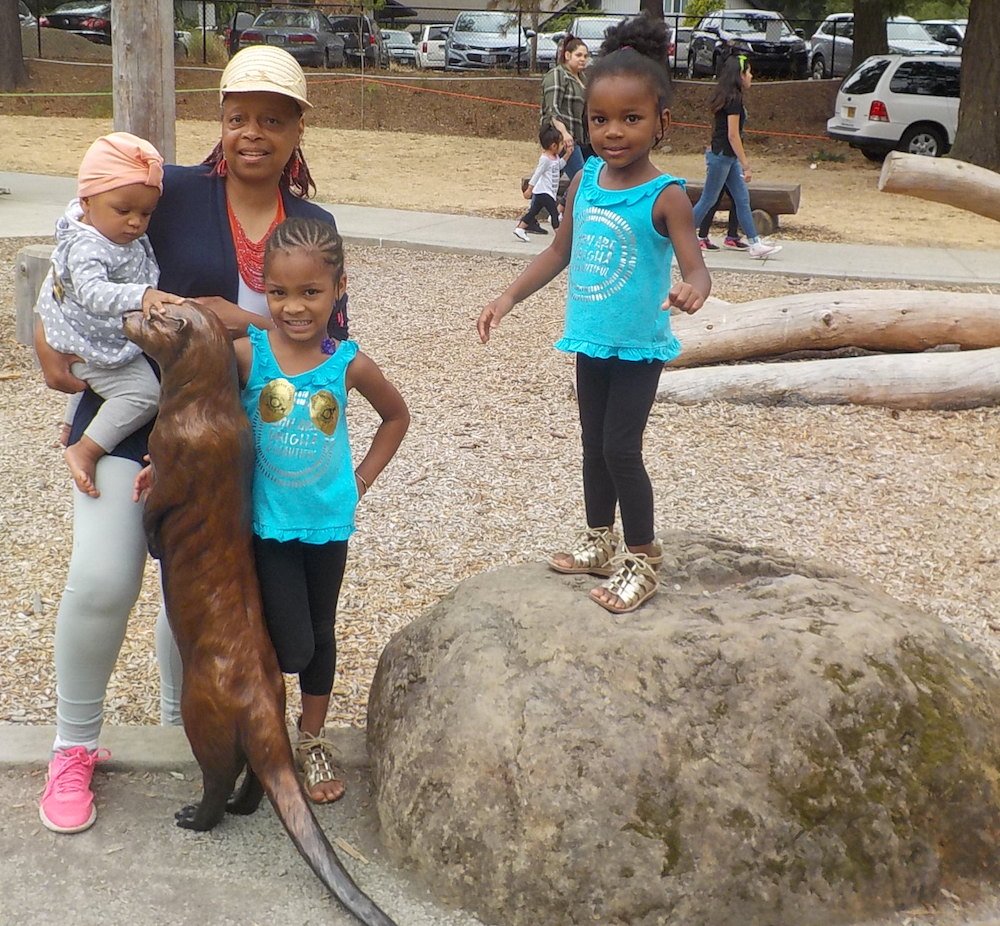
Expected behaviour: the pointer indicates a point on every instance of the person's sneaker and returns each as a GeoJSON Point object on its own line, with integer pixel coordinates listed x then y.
{"type": "Point", "coordinates": [707, 244]}
{"type": "Point", "coordinates": [520, 234]}
{"type": "Point", "coordinates": [67, 804]}
{"type": "Point", "coordinates": [762, 249]}
{"type": "Point", "coordinates": [536, 230]}
{"type": "Point", "coordinates": [737, 244]}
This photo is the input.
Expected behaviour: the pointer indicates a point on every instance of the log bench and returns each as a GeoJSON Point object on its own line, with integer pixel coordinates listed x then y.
{"type": "Point", "coordinates": [767, 201]}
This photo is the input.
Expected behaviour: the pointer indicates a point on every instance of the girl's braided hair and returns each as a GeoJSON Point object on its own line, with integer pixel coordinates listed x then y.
{"type": "Point", "coordinates": [311, 235]}
{"type": "Point", "coordinates": [638, 46]}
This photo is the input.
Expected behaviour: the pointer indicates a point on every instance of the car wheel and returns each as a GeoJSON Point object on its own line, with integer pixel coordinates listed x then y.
{"type": "Point", "coordinates": [818, 68]}
{"type": "Point", "coordinates": [875, 155]}
{"type": "Point", "coordinates": [691, 73]}
{"type": "Point", "coordinates": [927, 140]}
{"type": "Point", "coordinates": [716, 64]}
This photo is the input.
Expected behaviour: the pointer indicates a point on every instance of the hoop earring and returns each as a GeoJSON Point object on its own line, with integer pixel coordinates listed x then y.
{"type": "Point", "coordinates": [221, 168]}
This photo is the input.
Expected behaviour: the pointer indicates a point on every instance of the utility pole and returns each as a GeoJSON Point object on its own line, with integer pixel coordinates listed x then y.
{"type": "Point", "coordinates": [142, 56]}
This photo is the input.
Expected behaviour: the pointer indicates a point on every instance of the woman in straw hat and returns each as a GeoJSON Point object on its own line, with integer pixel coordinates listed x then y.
{"type": "Point", "coordinates": [208, 234]}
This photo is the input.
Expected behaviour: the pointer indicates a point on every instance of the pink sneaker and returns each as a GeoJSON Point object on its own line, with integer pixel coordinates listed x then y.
{"type": "Point", "coordinates": [67, 804]}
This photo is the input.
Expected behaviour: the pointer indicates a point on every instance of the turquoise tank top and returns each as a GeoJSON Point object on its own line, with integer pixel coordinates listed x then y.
{"type": "Point", "coordinates": [619, 273]}
{"type": "Point", "coordinates": [303, 481]}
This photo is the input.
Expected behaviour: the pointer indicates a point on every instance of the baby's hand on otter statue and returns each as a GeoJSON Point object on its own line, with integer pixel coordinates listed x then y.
{"type": "Point", "coordinates": [155, 300]}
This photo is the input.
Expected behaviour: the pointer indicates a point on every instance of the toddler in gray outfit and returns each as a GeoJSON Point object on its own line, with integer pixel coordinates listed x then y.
{"type": "Point", "coordinates": [102, 267]}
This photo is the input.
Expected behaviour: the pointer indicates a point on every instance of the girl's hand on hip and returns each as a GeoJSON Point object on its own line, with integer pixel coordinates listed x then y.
{"type": "Point", "coordinates": [490, 317]}
{"type": "Point", "coordinates": [685, 297]}
{"type": "Point", "coordinates": [143, 483]}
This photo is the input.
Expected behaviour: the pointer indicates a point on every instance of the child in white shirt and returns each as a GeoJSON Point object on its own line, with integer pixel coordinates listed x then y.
{"type": "Point", "coordinates": [543, 187]}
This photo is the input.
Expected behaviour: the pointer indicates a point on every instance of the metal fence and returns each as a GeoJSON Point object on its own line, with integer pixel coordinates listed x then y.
{"type": "Point", "coordinates": [209, 29]}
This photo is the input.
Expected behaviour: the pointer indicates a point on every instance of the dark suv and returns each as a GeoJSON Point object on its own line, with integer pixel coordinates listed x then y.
{"type": "Point", "coordinates": [361, 35]}
{"type": "Point", "coordinates": [772, 46]}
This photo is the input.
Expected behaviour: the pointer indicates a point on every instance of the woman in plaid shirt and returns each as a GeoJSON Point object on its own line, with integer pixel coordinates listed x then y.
{"type": "Point", "coordinates": [563, 102]}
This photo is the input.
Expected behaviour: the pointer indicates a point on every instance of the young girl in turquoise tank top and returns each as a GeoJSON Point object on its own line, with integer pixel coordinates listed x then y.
{"type": "Point", "coordinates": [295, 383]}
{"type": "Point", "coordinates": [624, 221]}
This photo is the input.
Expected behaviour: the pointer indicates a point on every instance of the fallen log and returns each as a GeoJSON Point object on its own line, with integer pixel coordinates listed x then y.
{"type": "Point", "coordinates": [947, 380]}
{"type": "Point", "coordinates": [942, 180]}
{"type": "Point", "coordinates": [877, 320]}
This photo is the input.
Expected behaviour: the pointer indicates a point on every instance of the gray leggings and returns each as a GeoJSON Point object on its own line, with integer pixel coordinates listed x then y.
{"type": "Point", "coordinates": [105, 575]}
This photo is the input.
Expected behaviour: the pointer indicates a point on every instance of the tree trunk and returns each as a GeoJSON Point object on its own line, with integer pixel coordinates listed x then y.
{"type": "Point", "coordinates": [913, 381]}
{"type": "Point", "coordinates": [942, 180]}
{"type": "Point", "coordinates": [142, 54]}
{"type": "Point", "coordinates": [880, 320]}
{"type": "Point", "coordinates": [12, 70]}
{"type": "Point", "coordinates": [978, 137]}
{"type": "Point", "coordinates": [652, 7]}
{"type": "Point", "coordinates": [869, 28]}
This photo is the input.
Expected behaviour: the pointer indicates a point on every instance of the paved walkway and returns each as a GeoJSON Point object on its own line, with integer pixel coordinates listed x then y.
{"type": "Point", "coordinates": [35, 202]}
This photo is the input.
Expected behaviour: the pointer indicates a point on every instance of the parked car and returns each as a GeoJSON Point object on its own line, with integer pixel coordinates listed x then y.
{"type": "Point", "coordinates": [430, 45]}
{"type": "Point", "coordinates": [682, 42]}
{"type": "Point", "coordinates": [91, 21]}
{"type": "Point", "coordinates": [402, 48]}
{"type": "Point", "coordinates": [832, 45]}
{"type": "Point", "coordinates": [240, 20]}
{"type": "Point", "coordinates": [305, 34]}
{"type": "Point", "coordinates": [24, 14]}
{"type": "Point", "coordinates": [591, 29]}
{"type": "Point", "coordinates": [485, 40]}
{"type": "Point", "coordinates": [949, 31]}
{"type": "Point", "coordinates": [772, 46]}
{"type": "Point", "coordinates": [899, 102]}
{"type": "Point", "coordinates": [362, 39]}
{"type": "Point", "coordinates": [82, 17]}
{"type": "Point", "coordinates": [546, 49]}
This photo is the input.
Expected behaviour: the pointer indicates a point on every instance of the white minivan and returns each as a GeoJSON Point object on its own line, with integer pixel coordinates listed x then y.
{"type": "Point", "coordinates": [899, 103]}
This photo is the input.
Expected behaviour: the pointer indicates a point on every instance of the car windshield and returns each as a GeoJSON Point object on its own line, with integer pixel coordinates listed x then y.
{"type": "Point", "coordinates": [436, 33]}
{"type": "Point", "coordinates": [489, 23]}
{"type": "Point", "coordinates": [906, 32]}
{"type": "Point", "coordinates": [594, 28]}
{"type": "Point", "coordinates": [397, 37]}
{"type": "Point", "coordinates": [742, 25]}
{"type": "Point", "coordinates": [82, 8]}
{"type": "Point", "coordinates": [293, 18]}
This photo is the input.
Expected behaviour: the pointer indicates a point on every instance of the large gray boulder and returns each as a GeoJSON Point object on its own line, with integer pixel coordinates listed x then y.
{"type": "Point", "coordinates": [767, 741]}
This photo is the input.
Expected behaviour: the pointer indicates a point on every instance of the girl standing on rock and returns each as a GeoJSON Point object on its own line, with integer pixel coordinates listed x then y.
{"type": "Point", "coordinates": [623, 223]}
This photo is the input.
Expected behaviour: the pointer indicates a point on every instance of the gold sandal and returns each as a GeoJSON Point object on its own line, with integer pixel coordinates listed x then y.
{"type": "Point", "coordinates": [593, 551]}
{"type": "Point", "coordinates": [315, 758]}
{"type": "Point", "coordinates": [633, 581]}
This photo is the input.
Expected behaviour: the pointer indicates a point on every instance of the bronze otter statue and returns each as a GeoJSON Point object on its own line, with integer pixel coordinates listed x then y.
{"type": "Point", "coordinates": [197, 523]}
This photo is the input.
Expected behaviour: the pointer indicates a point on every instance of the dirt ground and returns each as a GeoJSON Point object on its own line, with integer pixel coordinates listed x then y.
{"type": "Point", "coordinates": [444, 144]}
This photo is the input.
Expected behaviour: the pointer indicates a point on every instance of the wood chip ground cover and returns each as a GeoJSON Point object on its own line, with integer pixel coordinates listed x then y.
{"type": "Point", "coordinates": [489, 476]}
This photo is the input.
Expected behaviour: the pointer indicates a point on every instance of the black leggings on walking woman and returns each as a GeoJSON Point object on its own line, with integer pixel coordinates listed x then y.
{"type": "Point", "coordinates": [615, 397]}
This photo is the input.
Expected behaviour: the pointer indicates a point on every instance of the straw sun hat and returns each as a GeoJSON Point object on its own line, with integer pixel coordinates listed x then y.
{"type": "Point", "coordinates": [267, 69]}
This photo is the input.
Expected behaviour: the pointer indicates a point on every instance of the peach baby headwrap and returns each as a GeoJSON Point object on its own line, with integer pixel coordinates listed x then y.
{"type": "Point", "coordinates": [117, 160]}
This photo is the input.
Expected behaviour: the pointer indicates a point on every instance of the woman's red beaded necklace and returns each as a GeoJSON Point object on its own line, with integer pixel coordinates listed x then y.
{"type": "Point", "coordinates": [250, 254]}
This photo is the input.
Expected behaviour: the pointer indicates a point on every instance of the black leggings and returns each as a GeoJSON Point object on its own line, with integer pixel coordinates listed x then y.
{"type": "Point", "coordinates": [300, 585]}
{"type": "Point", "coordinates": [540, 201]}
{"type": "Point", "coordinates": [615, 397]}
{"type": "Point", "coordinates": [733, 229]}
